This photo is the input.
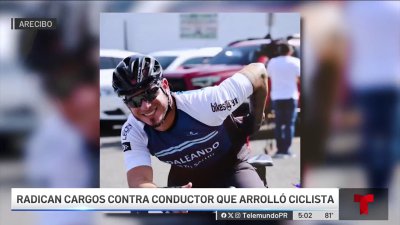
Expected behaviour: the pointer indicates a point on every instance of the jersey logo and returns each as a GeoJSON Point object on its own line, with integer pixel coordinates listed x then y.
{"type": "Point", "coordinates": [126, 146]}
{"type": "Point", "coordinates": [126, 131]}
{"type": "Point", "coordinates": [227, 105]}
{"type": "Point", "coordinates": [186, 145]}
{"type": "Point", "coordinates": [199, 155]}
{"type": "Point", "coordinates": [191, 133]}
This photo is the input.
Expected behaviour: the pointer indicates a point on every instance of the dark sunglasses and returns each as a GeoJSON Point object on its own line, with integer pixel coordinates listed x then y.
{"type": "Point", "coordinates": [148, 96]}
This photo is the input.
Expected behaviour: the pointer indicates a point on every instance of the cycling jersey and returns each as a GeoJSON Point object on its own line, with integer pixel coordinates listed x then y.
{"type": "Point", "coordinates": [199, 136]}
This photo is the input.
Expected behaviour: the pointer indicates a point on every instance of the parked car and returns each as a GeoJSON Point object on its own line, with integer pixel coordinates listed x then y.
{"type": "Point", "coordinates": [229, 61]}
{"type": "Point", "coordinates": [20, 111]}
{"type": "Point", "coordinates": [178, 59]}
{"type": "Point", "coordinates": [113, 112]}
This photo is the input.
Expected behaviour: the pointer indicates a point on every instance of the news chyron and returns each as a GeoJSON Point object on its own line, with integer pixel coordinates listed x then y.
{"type": "Point", "coordinates": [33, 23]}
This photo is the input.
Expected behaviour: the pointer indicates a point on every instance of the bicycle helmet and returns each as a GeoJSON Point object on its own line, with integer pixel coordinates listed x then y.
{"type": "Point", "coordinates": [134, 73]}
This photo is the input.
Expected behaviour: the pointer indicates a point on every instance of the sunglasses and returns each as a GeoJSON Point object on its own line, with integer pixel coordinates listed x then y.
{"type": "Point", "coordinates": [148, 96]}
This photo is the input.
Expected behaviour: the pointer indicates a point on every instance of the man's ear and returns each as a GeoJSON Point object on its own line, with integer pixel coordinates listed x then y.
{"type": "Point", "coordinates": [165, 84]}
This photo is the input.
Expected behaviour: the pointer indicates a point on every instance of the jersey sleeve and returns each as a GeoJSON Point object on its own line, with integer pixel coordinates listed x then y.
{"type": "Point", "coordinates": [211, 105]}
{"type": "Point", "coordinates": [134, 145]}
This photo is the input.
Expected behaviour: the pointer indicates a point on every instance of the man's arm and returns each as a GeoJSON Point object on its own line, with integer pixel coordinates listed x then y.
{"type": "Point", "coordinates": [141, 177]}
{"type": "Point", "coordinates": [257, 75]}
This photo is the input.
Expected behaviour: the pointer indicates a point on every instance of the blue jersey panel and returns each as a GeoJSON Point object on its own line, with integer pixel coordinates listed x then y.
{"type": "Point", "coordinates": [189, 143]}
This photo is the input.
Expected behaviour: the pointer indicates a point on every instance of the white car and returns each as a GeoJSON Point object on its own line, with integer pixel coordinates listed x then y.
{"type": "Point", "coordinates": [177, 59]}
{"type": "Point", "coordinates": [113, 111]}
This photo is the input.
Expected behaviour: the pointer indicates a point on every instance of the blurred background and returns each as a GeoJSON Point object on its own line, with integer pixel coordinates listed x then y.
{"type": "Point", "coordinates": [49, 101]}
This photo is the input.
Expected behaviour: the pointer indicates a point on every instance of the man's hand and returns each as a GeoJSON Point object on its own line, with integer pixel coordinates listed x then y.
{"type": "Point", "coordinates": [188, 185]}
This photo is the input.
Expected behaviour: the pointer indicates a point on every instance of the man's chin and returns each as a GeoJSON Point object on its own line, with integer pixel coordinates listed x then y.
{"type": "Point", "coordinates": [157, 123]}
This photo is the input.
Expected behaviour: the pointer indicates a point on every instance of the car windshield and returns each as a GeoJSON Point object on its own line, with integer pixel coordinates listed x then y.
{"type": "Point", "coordinates": [235, 56]}
{"type": "Point", "coordinates": [195, 61]}
{"type": "Point", "coordinates": [165, 61]}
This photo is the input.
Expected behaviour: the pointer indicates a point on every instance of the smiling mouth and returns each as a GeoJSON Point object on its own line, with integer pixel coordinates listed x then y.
{"type": "Point", "coordinates": [150, 113]}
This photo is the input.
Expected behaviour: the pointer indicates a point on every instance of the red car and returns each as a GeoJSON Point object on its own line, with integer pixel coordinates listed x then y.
{"type": "Point", "coordinates": [230, 60]}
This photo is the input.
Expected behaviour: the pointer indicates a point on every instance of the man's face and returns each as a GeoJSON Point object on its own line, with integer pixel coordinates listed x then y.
{"type": "Point", "coordinates": [153, 104]}
{"type": "Point", "coordinates": [81, 109]}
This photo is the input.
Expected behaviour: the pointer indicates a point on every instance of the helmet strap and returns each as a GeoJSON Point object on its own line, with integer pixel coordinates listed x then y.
{"type": "Point", "coordinates": [169, 106]}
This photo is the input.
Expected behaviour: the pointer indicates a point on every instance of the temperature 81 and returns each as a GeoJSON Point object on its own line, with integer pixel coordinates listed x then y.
{"type": "Point", "coordinates": [328, 215]}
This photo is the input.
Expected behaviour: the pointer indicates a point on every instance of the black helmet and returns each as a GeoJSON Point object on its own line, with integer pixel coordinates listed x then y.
{"type": "Point", "coordinates": [134, 73]}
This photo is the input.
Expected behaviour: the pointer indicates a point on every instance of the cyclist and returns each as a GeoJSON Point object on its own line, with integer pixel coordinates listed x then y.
{"type": "Point", "coordinates": [192, 130]}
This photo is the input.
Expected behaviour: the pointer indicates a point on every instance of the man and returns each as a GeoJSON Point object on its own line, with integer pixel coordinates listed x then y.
{"type": "Point", "coordinates": [193, 131]}
{"type": "Point", "coordinates": [63, 151]}
{"type": "Point", "coordinates": [284, 71]}
{"type": "Point", "coordinates": [374, 82]}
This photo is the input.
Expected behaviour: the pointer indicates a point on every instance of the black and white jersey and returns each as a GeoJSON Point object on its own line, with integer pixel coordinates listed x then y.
{"type": "Point", "coordinates": [198, 137]}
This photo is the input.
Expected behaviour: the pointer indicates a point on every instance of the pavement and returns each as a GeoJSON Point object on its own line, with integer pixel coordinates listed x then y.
{"type": "Point", "coordinates": [285, 173]}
